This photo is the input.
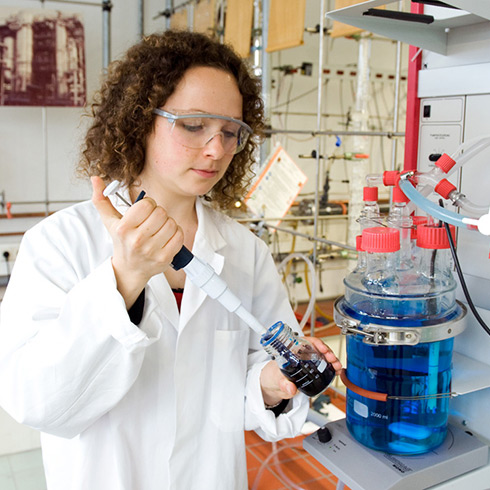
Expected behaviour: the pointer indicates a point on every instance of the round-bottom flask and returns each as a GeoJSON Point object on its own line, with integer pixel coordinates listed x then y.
{"type": "Point", "coordinates": [298, 360]}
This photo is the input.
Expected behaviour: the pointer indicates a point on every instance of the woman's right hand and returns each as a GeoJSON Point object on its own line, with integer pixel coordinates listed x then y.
{"type": "Point", "coordinates": [145, 241]}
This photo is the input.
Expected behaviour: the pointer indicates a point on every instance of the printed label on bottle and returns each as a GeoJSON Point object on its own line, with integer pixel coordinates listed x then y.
{"type": "Point", "coordinates": [322, 366]}
{"type": "Point", "coordinates": [361, 409]}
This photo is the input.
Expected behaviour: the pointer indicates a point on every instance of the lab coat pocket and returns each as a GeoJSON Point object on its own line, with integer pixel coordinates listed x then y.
{"type": "Point", "coordinates": [229, 373]}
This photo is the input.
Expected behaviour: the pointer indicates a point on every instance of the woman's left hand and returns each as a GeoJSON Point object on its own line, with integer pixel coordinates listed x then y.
{"type": "Point", "coordinates": [327, 352]}
{"type": "Point", "coordinates": [275, 386]}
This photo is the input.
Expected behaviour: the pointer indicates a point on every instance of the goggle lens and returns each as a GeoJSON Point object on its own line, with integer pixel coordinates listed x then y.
{"type": "Point", "coordinates": [196, 130]}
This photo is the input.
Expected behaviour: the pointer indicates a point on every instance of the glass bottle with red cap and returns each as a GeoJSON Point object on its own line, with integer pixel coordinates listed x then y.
{"type": "Point", "coordinates": [382, 247]}
{"type": "Point", "coordinates": [399, 218]}
{"type": "Point", "coordinates": [435, 275]}
{"type": "Point", "coordinates": [370, 215]}
{"type": "Point", "coordinates": [416, 222]}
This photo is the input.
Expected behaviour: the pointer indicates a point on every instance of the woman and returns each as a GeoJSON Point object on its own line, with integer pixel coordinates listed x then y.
{"type": "Point", "coordinates": [130, 389]}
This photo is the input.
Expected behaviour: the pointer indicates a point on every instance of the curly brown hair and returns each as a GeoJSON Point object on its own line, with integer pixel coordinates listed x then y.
{"type": "Point", "coordinates": [144, 79]}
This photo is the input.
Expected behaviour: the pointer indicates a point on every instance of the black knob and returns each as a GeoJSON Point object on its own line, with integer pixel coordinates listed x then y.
{"type": "Point", "coordinates": [324, 435]}
{"type": "Point", "coordinates": [433, 157]}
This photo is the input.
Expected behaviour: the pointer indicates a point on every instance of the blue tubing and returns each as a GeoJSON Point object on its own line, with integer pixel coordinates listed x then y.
{"type": "Point", "coordinates": [430, 207]}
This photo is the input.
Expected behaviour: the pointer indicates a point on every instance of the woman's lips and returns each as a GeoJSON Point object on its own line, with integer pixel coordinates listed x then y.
{"type": "Point", "coordinates": [207, 174]}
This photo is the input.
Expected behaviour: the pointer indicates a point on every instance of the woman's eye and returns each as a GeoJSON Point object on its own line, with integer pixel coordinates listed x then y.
{"type": "Point", "coordinates": [193, 128]}
{"type": "Point", "coordinates": [229, 134]}
{"type": "Point", "coordinates": [230, 131]}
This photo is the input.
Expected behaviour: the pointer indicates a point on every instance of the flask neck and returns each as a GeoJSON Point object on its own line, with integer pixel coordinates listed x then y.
{"type": "Point", "coordinates": [369, 215]}
{"type": "Point", "coordinates": [387, 261]}
{"type": "Point", "coordinates": [381, 273]}
{"type": "Point", "coordinates": [399, 218]}
{"type": "Point", "coordinates": [278, 337]}
{"type": "Point", "coordinates": [436, 264]}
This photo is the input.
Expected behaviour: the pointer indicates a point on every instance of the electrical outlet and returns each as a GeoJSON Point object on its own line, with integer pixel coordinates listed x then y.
{"type": "Point", "coordinates": [12, 250]}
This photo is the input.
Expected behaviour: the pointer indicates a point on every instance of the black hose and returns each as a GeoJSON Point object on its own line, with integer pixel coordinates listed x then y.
{"type": "Point", "coordinates": [463, 282]}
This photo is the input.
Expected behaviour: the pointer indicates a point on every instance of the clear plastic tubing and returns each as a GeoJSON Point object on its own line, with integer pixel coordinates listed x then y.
{"type": "Point", "coordinates": [470, 143]}
{"type": "Point", "coordinates": [274, 455]}
{"type": "Point", "coordinates": [429, 207]}
{"type": "Point", "coordinates": [428, 180]}
{"type": "Point", "coordinates": [465, 204]}
{"type": "Point", "coordinates": [474, 148]}
{"type": "Point", "coordinates": [311, 303]}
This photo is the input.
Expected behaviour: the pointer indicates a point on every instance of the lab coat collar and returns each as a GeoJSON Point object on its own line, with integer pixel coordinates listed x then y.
{"type": "Point", "coordinates": [208, 238]}
{"type": "Point", "coordinates": [207, 242]}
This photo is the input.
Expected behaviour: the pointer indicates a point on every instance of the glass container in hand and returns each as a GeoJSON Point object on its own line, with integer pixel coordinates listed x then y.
{"type": "Point", "coordinates": [298, 359]}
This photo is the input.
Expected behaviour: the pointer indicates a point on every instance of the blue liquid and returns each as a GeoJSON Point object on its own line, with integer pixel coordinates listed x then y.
{"type": "Point", "coordinates": [402, 300]}
{"type": "Point", "coordinates": [399, 426]}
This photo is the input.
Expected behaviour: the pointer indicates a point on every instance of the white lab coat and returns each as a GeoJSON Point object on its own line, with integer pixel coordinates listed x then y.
{"type": "Point", "coordinates": [158, 406]}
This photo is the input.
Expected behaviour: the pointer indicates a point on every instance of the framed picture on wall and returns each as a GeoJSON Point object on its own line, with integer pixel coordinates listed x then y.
{"type": "Point", "coordinates": [42, 58]}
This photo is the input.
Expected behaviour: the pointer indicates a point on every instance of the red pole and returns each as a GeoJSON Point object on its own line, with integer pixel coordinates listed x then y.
{"type": "Point", "coordinates": [413, 102]}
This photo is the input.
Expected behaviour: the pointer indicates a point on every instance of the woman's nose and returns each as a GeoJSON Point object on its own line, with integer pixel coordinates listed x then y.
{"type": "Point", "coordinates": [214, 146]}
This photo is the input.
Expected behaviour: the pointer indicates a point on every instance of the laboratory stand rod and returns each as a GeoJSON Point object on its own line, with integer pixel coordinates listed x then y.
{"type": "Point", "coordinates": [286, 218]}
{"type": "Point", "coordinates": [106, 33]}
{"type": "Point", "coordinates": [265, 147]}
{"type": "Point", "coordinates": [141, 18]}
{"type": "Point", "coordinates": [75, 2]}
{"type": "Point", "coordinates": [312, 238]}
{"type": "Point", "coordinates": [397, 97]}
{"type": "Point", "coordinates": [45, 202]}
{"type": "Point", "coordinates": [44, 116]}
{"type": "Point", "coordinates": [329, 132]}
{"type": "Point", "coordinates": [318, 149]}
{"type": "Point", "coordinates": [169, 8]}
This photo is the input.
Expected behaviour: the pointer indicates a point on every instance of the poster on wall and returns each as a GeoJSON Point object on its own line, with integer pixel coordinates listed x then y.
{"type": "Point", "coordinates": [42, 58]}
{"type": "Point", "coordinates": [276, 188]}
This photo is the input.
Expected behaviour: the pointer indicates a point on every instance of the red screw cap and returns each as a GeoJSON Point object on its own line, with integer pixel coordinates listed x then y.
{"type": "Point", "coordinates": [445, 163]}
{"type": "Point", "coordinates": [391, 177]}
{"type": "Point", "coordinates": [359, 243]}
{"type": "Point", "coordinates": [380, 240]}
{"type": "Point", "coordinates": [370, 194]}
{"type": "Point", "coordinates": [434, 237]}
{"type": "Point", "coordinates": [444, 188]}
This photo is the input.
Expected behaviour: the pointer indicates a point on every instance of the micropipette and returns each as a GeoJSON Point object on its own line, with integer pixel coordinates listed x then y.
{"type": "Point", "coordinates": [112, 188]}
{"type": "Point", "coordinates": [305, 373]}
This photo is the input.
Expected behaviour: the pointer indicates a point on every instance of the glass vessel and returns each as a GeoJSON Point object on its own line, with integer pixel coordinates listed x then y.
{"type": "Point", "coordinates": [416, 378]}
{"type": "Point", "coordinates": [298, 359]}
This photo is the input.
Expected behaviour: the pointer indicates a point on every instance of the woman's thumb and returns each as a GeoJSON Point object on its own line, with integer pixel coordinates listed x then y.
{"type": "Point", "coordinates": [103, 204]}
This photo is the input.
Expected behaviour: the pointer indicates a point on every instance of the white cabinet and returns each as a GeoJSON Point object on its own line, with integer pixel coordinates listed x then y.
{"type": "Point", "coordinates": [439, 36]}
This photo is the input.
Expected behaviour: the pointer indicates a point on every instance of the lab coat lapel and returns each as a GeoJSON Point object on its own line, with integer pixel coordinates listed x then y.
{"type": "Point", "coordinates": [161, 294]}
{"type": "Point", "coordinates": [207, 242]}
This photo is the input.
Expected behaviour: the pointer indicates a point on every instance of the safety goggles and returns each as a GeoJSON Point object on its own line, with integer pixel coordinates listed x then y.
{"type": "Point", "coordinates": [198, 129]}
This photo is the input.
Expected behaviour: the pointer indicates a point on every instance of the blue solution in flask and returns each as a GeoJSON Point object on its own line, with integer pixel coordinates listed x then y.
{"type": "Point", "coordinates": [399, 426]}
{"type": "Point", "coordinates": [298, 360]}
{"type": "Point", "coordinates": [415, 377]}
